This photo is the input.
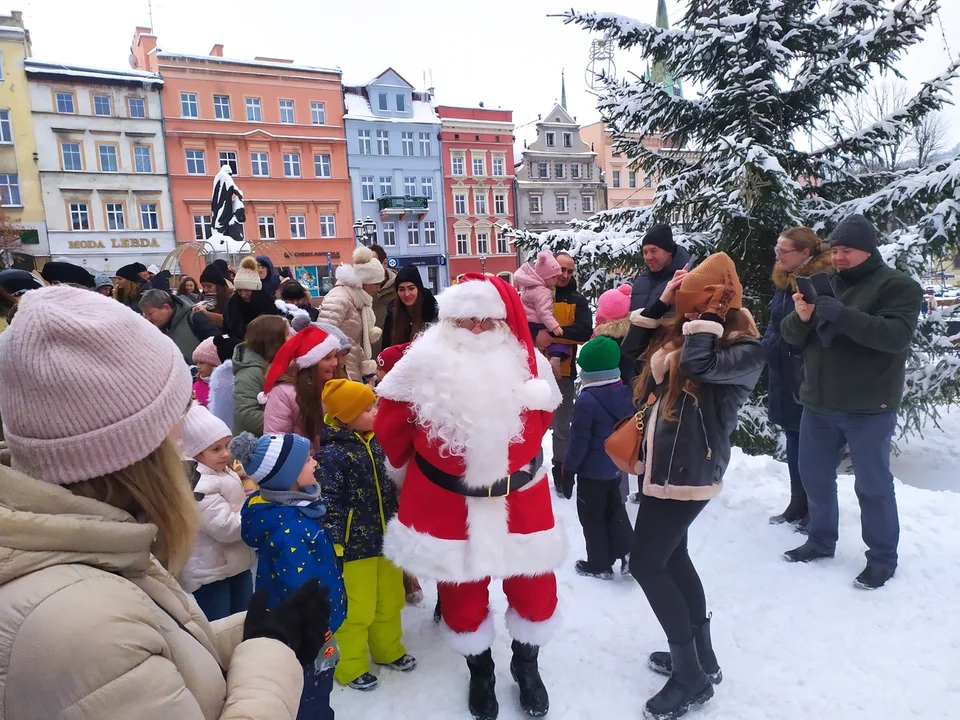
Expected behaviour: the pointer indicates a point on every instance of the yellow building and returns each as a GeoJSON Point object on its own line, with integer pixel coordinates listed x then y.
{"type": "Point", "coordinates": [20, 192]}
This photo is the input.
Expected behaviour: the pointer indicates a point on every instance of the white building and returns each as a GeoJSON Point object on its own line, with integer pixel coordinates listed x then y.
{"type": "Point", "coordinates": [103, 169]}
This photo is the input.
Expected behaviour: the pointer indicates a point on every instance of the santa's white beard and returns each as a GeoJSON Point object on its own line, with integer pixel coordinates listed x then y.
{"type": "Point", "coordinates": [467, 393]}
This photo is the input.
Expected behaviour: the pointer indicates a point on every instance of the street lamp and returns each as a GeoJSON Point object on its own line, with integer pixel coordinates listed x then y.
{"type": "Point", "coordinates": [365, 231]}
{"type": "Point", "coordinates": [483, 264]}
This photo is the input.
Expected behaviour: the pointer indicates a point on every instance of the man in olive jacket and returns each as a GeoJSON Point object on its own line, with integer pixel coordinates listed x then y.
{"type": "Point", "coordinates": [855, 349]}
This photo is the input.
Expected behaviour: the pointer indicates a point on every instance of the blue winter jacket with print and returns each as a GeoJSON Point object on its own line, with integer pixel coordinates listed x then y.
{"type": "Point", "coordinates": [597, 409]}
{"type": "Point", "coordinates": [291, 549]}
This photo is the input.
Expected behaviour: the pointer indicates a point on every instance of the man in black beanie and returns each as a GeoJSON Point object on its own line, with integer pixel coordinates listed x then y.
{"type": "Point", "coordinates": [67, 273]}
{"type": "Point", "coordinates": [855, 348]}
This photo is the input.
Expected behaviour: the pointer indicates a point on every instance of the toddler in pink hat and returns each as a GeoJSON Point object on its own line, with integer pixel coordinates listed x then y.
{"type": "Point", "coordinates": [536, 283]}
{"type": "Point", "coordinates": [614, 307]}
{"type": "Point", "coordinates": [206, 359]}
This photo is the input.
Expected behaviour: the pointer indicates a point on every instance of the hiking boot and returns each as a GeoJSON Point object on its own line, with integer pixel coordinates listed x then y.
{"type": "Point", "coordinates": [688, 686]}
{"type": "Point", "coordinates": [365, 683]}
{"type": "Point", "coordinates": [525, 671]}
{"type": "Point", "coordinates": [662, 664]}
{"type": "Point", "coordinates": [872, 578]}
{"type": "Point", "coordinates": [806, 553]}
{"type": "Point", "coordinates": [586, 570]}
{"type": "Point", "coordinates": [482, 698]}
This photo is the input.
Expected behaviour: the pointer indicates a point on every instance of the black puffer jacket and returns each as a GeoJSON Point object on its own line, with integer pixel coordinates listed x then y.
{"type": "Point", "coordinates": [241, 313]}
{"type": "Point", "coordinates": [685, 459]}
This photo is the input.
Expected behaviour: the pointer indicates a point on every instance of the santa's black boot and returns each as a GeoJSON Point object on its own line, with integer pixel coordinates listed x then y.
{"type": "Point", "coordinates": [524, 669]}
{"type": "Point", "coordinates": [688, 685]}
{"type": "Point", "coordinates": [661, 663]}
{"type": "Point", "coordinates": [482, 699]}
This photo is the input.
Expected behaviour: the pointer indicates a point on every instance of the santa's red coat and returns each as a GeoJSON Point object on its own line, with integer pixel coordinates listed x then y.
{"type": "Point", "coordinates": [445, 536]}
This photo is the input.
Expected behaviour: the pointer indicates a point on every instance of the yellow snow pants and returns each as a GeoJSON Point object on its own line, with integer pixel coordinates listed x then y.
{"type": "Point", "coordinates": [375, 598]}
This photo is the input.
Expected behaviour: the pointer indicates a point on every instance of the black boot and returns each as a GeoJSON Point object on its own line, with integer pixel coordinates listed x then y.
{"type": "Point", "coordinates": [437, 615]}
{"type": "Point", "coordinates": [661, 663]}
{"type": "Point", "coordinates": [797, 509]}
{"type": "Point", "coordinates": [482, 699]}
{"type": "Point", "coordinates": [562, 482]}
{"type": "Point", "coordinates": [688, 685]}
{"type": "Point", "coordinates": [524, 669]}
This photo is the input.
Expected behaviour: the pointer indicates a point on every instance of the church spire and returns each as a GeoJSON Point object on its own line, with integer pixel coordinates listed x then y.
{"type": "Point", "coordinates": [563, 90]}
{"type": "Point", "coordinates": [659, 73]}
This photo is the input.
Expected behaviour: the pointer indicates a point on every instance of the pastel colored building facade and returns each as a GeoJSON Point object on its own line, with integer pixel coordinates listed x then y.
{"type": "Point", "coordinates": [279, 126]}
{"type": "Point", "coordinates": [478, 180]}
{"type": "Point", "coordinates": [393, 136]}
{"type": "Point", "coordinates": [20, 191]}
{"type": "Point", "coordinates": [102, 165]}
{"type": "Point", "coordinates": [626, 186]}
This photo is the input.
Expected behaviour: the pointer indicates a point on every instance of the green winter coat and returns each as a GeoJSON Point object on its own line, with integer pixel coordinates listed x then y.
{"type": "Point", "coordinates": [186, 329]}
{"type": "Point", "coordinates": [249, 373]}
{"type": "Point", "coordinates": [864, 368]}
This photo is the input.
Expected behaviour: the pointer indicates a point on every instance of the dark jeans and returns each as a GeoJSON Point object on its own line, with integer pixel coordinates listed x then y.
{"type": "Point", "coordinates": [822, 440]}
{"type": "Point", "coordinates": [315, 700]}
{"type": "Point", "coordinates": [661, 564]}
{"type": "Point", "coordinates": [225, 597]}
{"type": "Point", "coordinates": [603, 517]}
{"type": "Point", "coordinates": [561, 435]}
{"type": "Point", "coordinates": [798, 496]}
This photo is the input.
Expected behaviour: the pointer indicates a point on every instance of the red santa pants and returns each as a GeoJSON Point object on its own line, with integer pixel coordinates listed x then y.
{"type": "Point", "coordinates": [531, 618]}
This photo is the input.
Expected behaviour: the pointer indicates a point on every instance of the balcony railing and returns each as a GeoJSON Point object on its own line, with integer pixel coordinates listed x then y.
{"type": "Point", "coordinates": [398, 204]}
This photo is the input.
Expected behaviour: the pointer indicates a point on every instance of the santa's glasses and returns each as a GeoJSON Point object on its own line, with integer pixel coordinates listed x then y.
{"type": "Point", "coordinates": [482, 323]}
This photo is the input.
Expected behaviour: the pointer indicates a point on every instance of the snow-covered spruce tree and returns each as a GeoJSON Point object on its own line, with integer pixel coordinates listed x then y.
{"type": "Point", "coordinates": [737, 168]}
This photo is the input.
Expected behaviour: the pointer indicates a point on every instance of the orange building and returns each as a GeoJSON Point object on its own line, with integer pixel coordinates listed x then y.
{"type": "Point", "coordinates": [279, 126]}
{"type": "Point", "coordinates": [626, 186]}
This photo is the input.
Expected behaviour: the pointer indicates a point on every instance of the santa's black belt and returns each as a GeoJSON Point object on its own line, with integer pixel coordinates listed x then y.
{"type": "Point", "coordinates": [501, 488]}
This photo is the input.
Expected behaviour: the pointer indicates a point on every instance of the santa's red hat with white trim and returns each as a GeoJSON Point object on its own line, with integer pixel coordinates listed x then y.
{"type": "Point", "coordinates": [487, 297]}
{"type": "Point", "coordinates": [306, 349]}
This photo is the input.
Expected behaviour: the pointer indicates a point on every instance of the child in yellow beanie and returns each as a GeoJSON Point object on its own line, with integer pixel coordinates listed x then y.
{"type": "Point", "coordinates": [360, 501]}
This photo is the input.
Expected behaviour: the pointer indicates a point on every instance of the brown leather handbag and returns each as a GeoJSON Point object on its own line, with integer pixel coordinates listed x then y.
{"type": "Point", "coordinates": [623, 445]}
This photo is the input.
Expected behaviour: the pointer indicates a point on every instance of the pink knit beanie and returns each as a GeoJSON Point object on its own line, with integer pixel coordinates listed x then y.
{"type": "Point", "coordinates": [613, 305]}
{"type": "Point", "coordinates": [546, 266]}
{"type": "Point", "coordinates": [88, 386]}
{"type": "Point", "coordinates": [206, 352]}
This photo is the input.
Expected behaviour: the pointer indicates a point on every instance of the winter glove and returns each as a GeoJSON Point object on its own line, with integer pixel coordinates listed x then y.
{"type": "Point", "coordinates": [829, 308]}
{"type": "Point", "coordinates": [300, 622]}
{"type": "Point", "coordinates": [719, 301]}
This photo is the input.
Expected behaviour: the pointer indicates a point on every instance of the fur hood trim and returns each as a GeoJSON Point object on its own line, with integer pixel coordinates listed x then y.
{"type": "Point", "coordinates": [614, 328]}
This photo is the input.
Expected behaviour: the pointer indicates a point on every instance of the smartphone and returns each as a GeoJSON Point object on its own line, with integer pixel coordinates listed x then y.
{"type": "Point", "coordinates": [821, 283]}
{"type": "Point", "coordinates": [807, 289]}
{"type": "Point", "coordinates": [690, 263]}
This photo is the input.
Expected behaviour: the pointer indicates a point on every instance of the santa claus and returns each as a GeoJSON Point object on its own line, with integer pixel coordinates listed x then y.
{"type": "Point", "coordinates": [461, 419]}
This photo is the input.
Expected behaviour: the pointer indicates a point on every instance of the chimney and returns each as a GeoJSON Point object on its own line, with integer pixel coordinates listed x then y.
{"type": "Point", "coordinates": [144, 49]}
{"type": "Point", "coordinates": [217, 50]}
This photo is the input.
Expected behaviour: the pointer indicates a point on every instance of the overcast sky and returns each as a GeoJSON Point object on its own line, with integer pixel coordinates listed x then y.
{"type": "Point", "coordinates": [506, 53]}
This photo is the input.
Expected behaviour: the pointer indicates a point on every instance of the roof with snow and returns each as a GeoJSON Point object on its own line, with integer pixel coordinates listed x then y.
{"type": "Point", "coordinates": [253, 63]}
{"type": "Point", "coordinates": [357, 107]}
{"type": "Point", "coordinates": [38, 69]}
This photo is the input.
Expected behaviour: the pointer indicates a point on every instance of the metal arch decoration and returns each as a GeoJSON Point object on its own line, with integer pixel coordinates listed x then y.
{"type": "Point", "coordinates": [200, 248]}
{"type": "Point", "coordinates": [601, 66]}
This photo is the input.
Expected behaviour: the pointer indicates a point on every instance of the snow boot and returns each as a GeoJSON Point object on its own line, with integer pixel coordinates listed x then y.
{"type": "Point", "coordinates": [365, 683]}
{"type": "Point", "coordinates": [404, 664]}
{"type": "Point", "coordinates": [872, 578]}
{"type": "Point", "coordinates": [482, 699]}
{"type": "Point", "coordinates": [523, 667]}
{"type": "Point", "coordinates": [661, 663]}
{"type": "Point", "coordinates": [562, 482]}
{"type": "Point", "coordinates": [688, 686]}
{"type": "Point", "coordinates": [806, 553]}
{"type": "Point", "coordinates": [796, 510]}
{"type": "Point", "coordinates": [582, 567]}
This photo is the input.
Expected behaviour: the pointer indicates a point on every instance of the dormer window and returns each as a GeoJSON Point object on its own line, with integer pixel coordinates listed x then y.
{"type": "Point", "coordinates": [401, 102]}
{"type": "Point", "coordinates": [382, 101]}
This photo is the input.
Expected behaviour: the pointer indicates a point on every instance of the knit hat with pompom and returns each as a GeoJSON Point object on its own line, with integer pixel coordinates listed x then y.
{"type": "Point", "coordinates": [546, 265]}
{"type": "Point", "coordinates": [248, 276]}
{"type": "Point", "coordinates": [272, 461]}
{"type": "Point", "coordinates": [614, 305]}
{"type": "Point", "coordinates": [369, 270]}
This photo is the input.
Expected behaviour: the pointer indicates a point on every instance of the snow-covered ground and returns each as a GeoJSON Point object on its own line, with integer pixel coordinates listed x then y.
{"type": "Point", "coordinates": [793, 641]}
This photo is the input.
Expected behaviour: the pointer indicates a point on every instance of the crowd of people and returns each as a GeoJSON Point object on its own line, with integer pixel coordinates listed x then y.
{"type": "Point", "coordinates": [221, 496]}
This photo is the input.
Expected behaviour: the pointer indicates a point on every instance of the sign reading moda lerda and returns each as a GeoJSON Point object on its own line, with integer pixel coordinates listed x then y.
{"type": "Point", "coordinates": [115, 243]}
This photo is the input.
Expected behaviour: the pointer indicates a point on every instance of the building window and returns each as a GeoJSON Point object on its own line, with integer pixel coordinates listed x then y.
{"type": "Point", "coordinates": [498, 167]}
{"type": "Point", "coordinates": [321, 166]}
{"type": "Point", "coordinates": [221, 107]}
{"type": "Point", "coordinates": [149, 217]}
{"type": "Point", "coordinates": [188, 105]}
{"type": "Point", "coordinates": [268, 228]}
{"type": "Point", "coordinates": [101, 105]}
{"type": "Point", "coordinates": [588, 172]}
{"type": "Point", "coordinates": [291, 165]}
{"type": "Point", "coordinates": [229, 158]}
{"type": "Point", "coordinates": [483, 243]}
{"type": "Point", "coordinates": [142, 159]}
{"type": "Point", "coordinates": [425, 144]}
{"type": "Point", "coordinates": [478, 167]}
{"type": "Point", "coordinates": [259, 164]}
{"type": "Point", "coordinates": [562, 204]}
{"type": "Point", "coordinates": [479, 204]}
{"type": "Point", "coordinates": [115, 216]}
{"type": "Point", "coordinates": [575, 171]}
{"type": "Point", "coordinates": [196, 165]}
{"type": "Point", "coordinates": [108, 158]}
{"type": "Point", "coordinates": [386, 186]}
{"type": "Point", "coordinates": [383, 142]}
{"type": "Point", "coordinates": [202, 226]}
{"type": "Point", "coordinates": [286, 112]}
{"type": "Point", "coordinates": [79, 216]}
{"type": "Point", "coordinates": [65, 103]}
{"type": "Point", "coordinates": [430, 233]}
{"type": "Point", "coordinates": [328, 226]}
{"type": "Point", "coordinates": [568, 139]}
{"type": "Point", "coordinates": [318, 113]}
{"type": "Point", "coordinates": [558, 169]}
{"type": "Point", "coordinates": [426, 187]}
{"type": "Point", "coordinates": [459, 204]}
{"type": "Point", "coordinates": [10, 190]}
{"type": "Point", "coordinates": [366, 188]}
{"type": "Point", "coordinates": [6, 129]}
{"type": "Point", "coordinates": [647, 180]}
{"type": "Point", "coordinates": [616, 178]}
{"type": "Point", "coordinates": [499, 204]}
{"type": "Point", "coordinates": [401, 102]}
{"type": "Point", "coordinates": [406, 141]}
{"type": "Point", "coordinates": [382, 101]}
{"type": "Point", "coordinates": [551, 139]}
{"type": "Point", "coordinates": [72, 159]}
{"type": "Point", "coordinates": [463, 244]}
{"type": "Point", "coordinates": [137, 107]}
{"type": "Point", "coordinates": [544, 169]}
{"type": "Point", "coordinates": [364, 136]}
{"type": "Point", "coordinates": [298, 227]}
{"type": "Point", "coordinates": [388, 234]}
{"type": "Point", "coordinates": [632, 179]}
{"type": "Point", "coordinates": [586, 202]}
{"type": "Point", "coordinates": [457, 164]}
{"type": "Point", "coordinates": [536, 204]}
{"type": "Point", "coordinates": [413, 234]}
{"type": "Point", "coordinates": [254, 111]}
{"type": "Point", "coordinates": [502, 246]}
{"type": "Point", "coordinates": [409, 186]}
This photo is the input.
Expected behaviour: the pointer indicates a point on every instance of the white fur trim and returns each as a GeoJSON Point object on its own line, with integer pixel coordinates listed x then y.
{"type": "Point", "coordinates": [474, 298]}
{"type": "Point", "coordinates": [703, 326]}
{"type": "Point", "coordinates": [544, 376]}
{"type": "Point", "coordinates": [261, 398]}
{"type": "Point", "coordinates": [292, 311]}
{"type": "Point", "coordinates": [529, 632]}
{"type": "Point", "coordinates": [471, 643]}
{"type": "Point", "coordinates": [346, 275]}
{"type": "Point", "coordinates": [640, 320]}
{"type": "Point", "coordinates": [537, 395]}
{"type": "Point", "coordinates": [397, 474]}
{"type": "Point", "coordinates": [318, 352]}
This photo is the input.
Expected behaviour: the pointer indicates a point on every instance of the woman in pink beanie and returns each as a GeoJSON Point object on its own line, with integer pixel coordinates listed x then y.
{"type": "Point", "coordinates": [206, 360]}
{"type": "Point", "coordinates": [96, 518]}
{"type": "Point", "coordinates": [536, 283]}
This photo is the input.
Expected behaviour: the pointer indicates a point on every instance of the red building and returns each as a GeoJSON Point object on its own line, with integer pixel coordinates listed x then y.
{"type": "Point", "coordinates": [478, 188]}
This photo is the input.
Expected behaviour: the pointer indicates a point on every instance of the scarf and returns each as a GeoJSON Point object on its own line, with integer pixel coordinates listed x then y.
{"type": "Point", "coordinates": [369, 333]}
{"type": "Point", "coordinates": [306, 501]}
{"type": "Point", "coordinates": [599, 377]}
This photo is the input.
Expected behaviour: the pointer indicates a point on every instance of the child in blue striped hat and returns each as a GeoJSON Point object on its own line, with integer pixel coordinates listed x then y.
{"type": "Point", "coordinates": [282, 521]}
